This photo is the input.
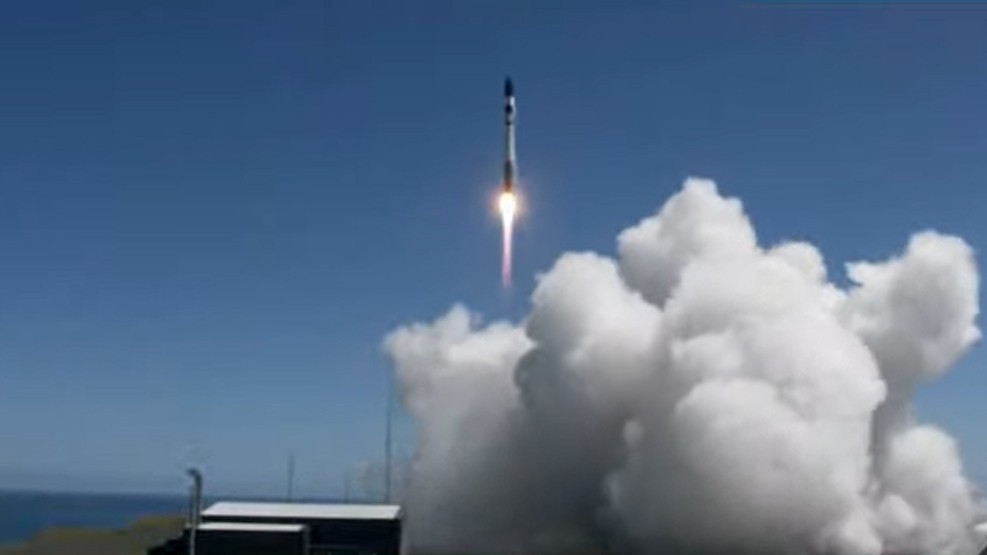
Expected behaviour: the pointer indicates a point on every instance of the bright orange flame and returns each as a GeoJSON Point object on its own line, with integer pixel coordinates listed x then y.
{"type": "Point", "coordinates": [508, 209]}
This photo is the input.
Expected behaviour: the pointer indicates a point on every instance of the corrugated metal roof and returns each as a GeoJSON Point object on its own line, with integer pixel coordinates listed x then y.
{"type": "Point", "coordinates": [249, 527]}
{"type": "Point", "coordinates": [231, 509]}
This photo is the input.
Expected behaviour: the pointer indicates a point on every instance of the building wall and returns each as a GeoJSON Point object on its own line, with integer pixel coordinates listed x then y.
{"type": "Point", "coordinates": [241, 542]}
{"type": "Point", "coordinates": [342, 537]}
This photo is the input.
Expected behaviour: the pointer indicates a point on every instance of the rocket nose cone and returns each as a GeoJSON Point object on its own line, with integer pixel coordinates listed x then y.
{"type": "Point", "coordinates": [508, 87]}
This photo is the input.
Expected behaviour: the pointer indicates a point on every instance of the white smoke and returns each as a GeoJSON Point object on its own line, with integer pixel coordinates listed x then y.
{"type": "Point", "coordinates": [700, 393]}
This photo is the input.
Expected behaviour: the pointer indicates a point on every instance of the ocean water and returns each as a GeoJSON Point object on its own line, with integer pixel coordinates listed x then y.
{"type": "Point", "coordinates": [24, 514]}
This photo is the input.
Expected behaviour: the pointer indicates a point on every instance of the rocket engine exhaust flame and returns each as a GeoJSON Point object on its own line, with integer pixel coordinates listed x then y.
{"type": "Point", "coordinates": [507, 205]}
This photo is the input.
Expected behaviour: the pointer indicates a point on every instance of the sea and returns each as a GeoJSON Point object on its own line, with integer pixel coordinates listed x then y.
{"type": "Point", "coordinates": [23, 514]}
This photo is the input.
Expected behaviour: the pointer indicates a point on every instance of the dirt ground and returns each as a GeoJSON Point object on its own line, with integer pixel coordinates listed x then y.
{"type": "Point", "coordinates": [133, 540]}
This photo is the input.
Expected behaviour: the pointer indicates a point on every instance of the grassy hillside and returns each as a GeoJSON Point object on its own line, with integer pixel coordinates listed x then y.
{"type": "Point", "coordinates": [133, 540]}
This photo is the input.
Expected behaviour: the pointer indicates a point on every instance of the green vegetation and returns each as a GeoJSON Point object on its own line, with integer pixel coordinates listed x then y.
{"type": "Point", "coordinates": [133, 540]}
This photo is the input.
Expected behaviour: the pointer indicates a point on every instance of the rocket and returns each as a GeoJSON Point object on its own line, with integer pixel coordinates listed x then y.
{"type": "Point", "coordinates": [510, 156]}
{"type": "Point", "coordinates": [507, 201]}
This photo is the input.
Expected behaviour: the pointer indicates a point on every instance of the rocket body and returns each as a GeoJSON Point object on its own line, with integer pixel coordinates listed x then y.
{"type": "Point", "coordinates": [507, 200]}
{"type": "Point", "coordinates": [510, 155]}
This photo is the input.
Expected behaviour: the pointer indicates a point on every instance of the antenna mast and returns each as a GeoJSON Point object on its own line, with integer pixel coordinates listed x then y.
{"type": "Point", "coordinates": [291, 476]}
{"type": "Point", "coordinates": [387, 438]}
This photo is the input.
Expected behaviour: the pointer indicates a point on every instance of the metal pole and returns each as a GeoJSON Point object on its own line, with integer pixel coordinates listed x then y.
{"type": "Point", "coordinates": [195, 509]}
{"type": "Point", "coordinates": [291, 476]}
{"type": "Point", "coordinates": [387, 438]}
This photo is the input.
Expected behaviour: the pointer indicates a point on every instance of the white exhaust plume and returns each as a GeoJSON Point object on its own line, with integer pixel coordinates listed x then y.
{"type": "Point", "coordinates": [701, 393]}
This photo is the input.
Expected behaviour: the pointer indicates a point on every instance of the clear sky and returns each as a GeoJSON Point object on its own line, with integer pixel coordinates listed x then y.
{"type": "Point", "coordinates": [212, 212]}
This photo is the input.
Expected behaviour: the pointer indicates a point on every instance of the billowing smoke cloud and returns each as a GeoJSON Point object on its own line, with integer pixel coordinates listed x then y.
{"type": "Point", "coordinates": [700, 393]}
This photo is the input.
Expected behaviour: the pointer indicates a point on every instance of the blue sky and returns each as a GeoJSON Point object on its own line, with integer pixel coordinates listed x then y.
{"type": "Point", "coordinates": [212, 212]}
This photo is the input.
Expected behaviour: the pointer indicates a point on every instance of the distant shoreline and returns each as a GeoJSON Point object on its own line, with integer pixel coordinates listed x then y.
{"type": "Point", "coordinates": [82, 493]}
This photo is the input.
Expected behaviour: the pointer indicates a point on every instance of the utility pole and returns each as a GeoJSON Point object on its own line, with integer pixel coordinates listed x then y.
{"type": "Point", "coordinates": [291, 476]}
{"type": "Point", "coordinates": [195, 506]}
{"type": "Point", "coordinates": [387, 437]}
